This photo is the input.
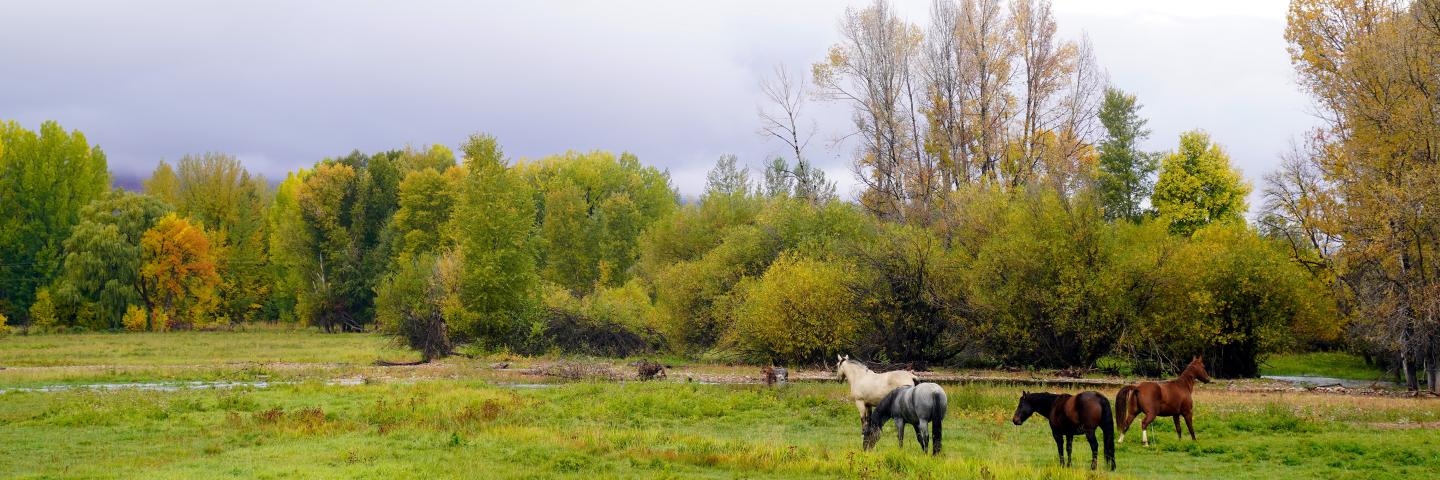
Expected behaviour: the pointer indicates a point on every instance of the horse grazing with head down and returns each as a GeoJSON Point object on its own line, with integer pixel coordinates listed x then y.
{"type": "Point", "coordinates": [1160, 399]}
{"type": "Point", "coordinates": [920, 406]}
{"type": "Point", "coordinates": [1072, 415]}
{"type": "Point", "coordinates": [867, 388]}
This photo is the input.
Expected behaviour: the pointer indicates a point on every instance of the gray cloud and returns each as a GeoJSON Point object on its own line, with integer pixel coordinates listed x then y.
{"type": "Point", "coordinates": [283, 84]}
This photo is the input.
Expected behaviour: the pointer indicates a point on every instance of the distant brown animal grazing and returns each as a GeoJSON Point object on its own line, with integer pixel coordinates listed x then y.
{"type": "Point", "coordinates": [774, 375]}
{"type": "Point", "coordinates": [1160, 399]}
{"type": "Point", "coordinates": [1072, 415]}
{"type": "Point", "coordinates": [648, 370]}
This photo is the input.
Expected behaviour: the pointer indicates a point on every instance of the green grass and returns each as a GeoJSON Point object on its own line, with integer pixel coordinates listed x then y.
{"type": "Point", "coordinates": [192, 348]}
{"type": "Point", "coordinates": [458, 428]}
{"type": "Point", "coordinates": [457, 419]}
{"type": "Point", "coordinates": [256, 354]}
{"type": "Point", "coordinates": [1321, 364]}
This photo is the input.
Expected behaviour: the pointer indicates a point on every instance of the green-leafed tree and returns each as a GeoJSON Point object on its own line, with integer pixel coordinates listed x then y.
{"type": "Point", "coordinates": [338, 237]}
{"type": "Point", "coordinates": [289, 240]}
{"type": "Point", "coordinates": [727, 177]}
{"type": "Point", "coordinates": [164, 184]}
{"type": "Point", "coordinates": [778, 181]}
{"type": "Point", "coordinates": [100, 275]}
{"type": "Point", "coordinates": [230, 203]}
{"type": "Point", "coordinates": [592, 208]}
{"type": "Point", "coordinates": [46, 177]}
{"type": "Point", "coordinates": [801, 180]}
{"type": "Point", "coordinates": [1233, 296]}
{"type": "Point", "coordinates": [1125, 171]}
{"type": "Point", "coordinates": [569, 239]}
{"type": "Point", "coordinates": [437, 157]}
{"type": "Point", "coordinates": [409, 305]}
{"type": "Point", "coordinates": [619, 223]}
{"type": "Point", "coordinates": [426, 200]}
{"type": "Point", "coordinates": [1198, 187]}
{"type": "Point", "coordinates": [493, 226]}
{"type": "Point", "coordinates": [327, 257]}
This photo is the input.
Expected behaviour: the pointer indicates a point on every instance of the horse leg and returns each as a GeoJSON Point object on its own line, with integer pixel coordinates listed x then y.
{"type": "Point", "coordinates": [1060, 446]}
{"type": "Point", "coordinates": [1069, 450]}
{"type": "Point", "coordinates": [1145, 428]}
{"type": "Point", "coordinates": [920, 429]}
{"type": "Point", "coordinates": [1189, 425]}
{"type": "Point", "coordinates": [1178, 436]}
{"type": "Point", "coordinates": [900, 430]}
{"type": "Point", "coordinates": [1094, 447]}
{"type": "Point", "coordinates": [864, 411]}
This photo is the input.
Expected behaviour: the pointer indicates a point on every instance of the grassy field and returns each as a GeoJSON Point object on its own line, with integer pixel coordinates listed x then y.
{"type": "Point", "coordinates": [459, 421]}
{"type": "Point", "coordinates": [1322, 364]}
{"type": "Point", "coordinates": [256, 354]}
{"type": "Point", "coordinates": [263, 345]}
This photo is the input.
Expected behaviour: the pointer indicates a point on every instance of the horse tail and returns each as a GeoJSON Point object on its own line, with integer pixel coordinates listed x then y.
{"type": "Point", "coordinates": [1107, 426]}
{"type": "Point", "coordinates": [1123, 404]}
{"type": "Point", "coordinates": [937, 418]}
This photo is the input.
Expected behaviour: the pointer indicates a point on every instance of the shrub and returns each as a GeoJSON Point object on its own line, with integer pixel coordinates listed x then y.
{"type": "Point", "coordinates": [42, 312]}
{"type": "Point", "coordinates": [1233, 296]}
{"type": "Point", "coordinates": [613, 321]}
{"type": "Point", "coordinates": [409, 304]}
{"type": "Point", "coordinates": [800, 311]}
{"type": "Point", "coordinates": [135, 319]}
{"type": "Point", "coordinates": [908, 290]}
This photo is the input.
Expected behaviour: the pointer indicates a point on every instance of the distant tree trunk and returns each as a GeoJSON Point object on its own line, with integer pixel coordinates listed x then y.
{"type": "Point", "coordinates": [1432, 366]}
{"type": "Point", "coordinates": [1407, 359]}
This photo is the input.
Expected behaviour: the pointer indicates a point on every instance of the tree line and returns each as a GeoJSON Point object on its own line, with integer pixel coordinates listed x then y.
{"type": "Point", "coordinates": [1007, 216]}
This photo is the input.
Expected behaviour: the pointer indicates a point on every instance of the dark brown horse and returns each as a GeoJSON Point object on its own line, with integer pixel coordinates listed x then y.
{"type": "Point", "coordinates": [1160, 399]}
{"type": "Point", "coordinates": [1070, 416]}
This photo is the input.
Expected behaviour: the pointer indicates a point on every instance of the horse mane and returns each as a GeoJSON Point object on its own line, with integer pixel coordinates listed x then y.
{"type": "Point", "coordinates": [857, 363]}
{"type": "Point", "coordinates": [1193, 370]}
{"type": "Point", "coordinates": [1044, 399]}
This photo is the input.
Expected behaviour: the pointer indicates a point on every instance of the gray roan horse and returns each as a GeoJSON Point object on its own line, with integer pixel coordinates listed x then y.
{"type": "Point", "coordinates": [916, 406]}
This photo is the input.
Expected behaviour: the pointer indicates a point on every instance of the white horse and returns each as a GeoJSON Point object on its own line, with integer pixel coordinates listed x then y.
{"type": "Point", "coordinates": [868, 388]}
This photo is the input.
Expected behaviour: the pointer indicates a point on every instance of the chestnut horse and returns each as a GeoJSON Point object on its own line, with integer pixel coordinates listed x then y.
{"type": "Point", "coordinates": [1070, 416]}
{"type": "Point", "coordinates": [1160, 399]}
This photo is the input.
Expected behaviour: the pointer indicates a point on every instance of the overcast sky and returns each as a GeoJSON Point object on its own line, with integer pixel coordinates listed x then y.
{"type": "Point", "coordinates": [282, 84]}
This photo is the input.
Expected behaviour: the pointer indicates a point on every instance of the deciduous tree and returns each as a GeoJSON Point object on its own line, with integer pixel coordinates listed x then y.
{"type": "Point", "coordinates": [179, 276]}
{"type": "Point", "coordinates": [494, 226]}
{"type": "Point", "coordinates": [46, 177]}
{"type": "Point", "coordinates": [1198, 187]}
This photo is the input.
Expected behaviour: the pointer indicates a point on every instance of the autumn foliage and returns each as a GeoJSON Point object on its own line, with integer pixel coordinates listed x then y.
{"type": "Point", "coordinates": [179, 276]}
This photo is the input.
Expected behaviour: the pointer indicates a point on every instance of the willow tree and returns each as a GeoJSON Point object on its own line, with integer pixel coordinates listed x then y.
{"type": "Point", "coordinates": [100, 274]}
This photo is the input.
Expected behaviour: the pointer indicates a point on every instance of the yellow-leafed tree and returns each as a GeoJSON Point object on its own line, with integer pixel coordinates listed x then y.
{"type": "Point", "coordinates": [179, 277]}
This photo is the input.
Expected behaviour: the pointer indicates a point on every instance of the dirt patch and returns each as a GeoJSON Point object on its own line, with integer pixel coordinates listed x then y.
{"type": "Point", "coordinates": [578, 371]}
{"type": "Point", "coordinates": [1404, 426]}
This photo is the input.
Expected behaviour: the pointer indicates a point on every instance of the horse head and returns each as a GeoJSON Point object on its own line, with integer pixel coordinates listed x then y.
{"type": "Point", "coordinates": [1024, 410]}
{"type": "Point", "coordinates": [870, 435]}
{"type": "Point", "coordinates": [1197, 369]}
{"type": "Point", "coordinates": [840, 366]}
